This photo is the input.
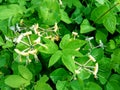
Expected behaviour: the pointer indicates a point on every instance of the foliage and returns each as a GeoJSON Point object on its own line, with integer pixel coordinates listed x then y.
{"type": "Point", "coordinates": [59, 44]}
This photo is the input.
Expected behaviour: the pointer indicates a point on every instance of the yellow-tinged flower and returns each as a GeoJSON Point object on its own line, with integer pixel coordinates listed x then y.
{"type": "Point", "coordinates": [21, 53]}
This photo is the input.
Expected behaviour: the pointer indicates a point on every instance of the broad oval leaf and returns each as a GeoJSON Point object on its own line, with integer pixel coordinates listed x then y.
{"type": "Point", "coordinates": [54, 58]}
{"type": "Point", "coordinates": [25, 72]}
{"type": "Point", "coordinates": [110, 23]}
{"type": "Point", "coordinates": [99, 13]}
{"type": "Point", "coordinates": [60, 74]}
{"type": "Point", "coordinates": [49, 12]}
{"type": "Point", "coordinates": [64, 41]}
{"type": "Point", "coordinates": [7, 11]}
{"type": "Point", "coordinates": [68, 61]}
{"type": "Point", "coordinates": [16, 81]}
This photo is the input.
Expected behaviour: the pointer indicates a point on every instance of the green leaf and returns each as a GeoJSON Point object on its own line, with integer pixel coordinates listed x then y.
{"type": "Point", "coordinates": [99, 13]}
{"type": "Point", "coordinates": [8, 44]}
{"type": "Point", "coordinates": [54, 58]}
{"type": "Point", "coordinates": [64, 42]}
{"type": "Point", "coordinates": [24, 72]}
{"type": "Point", "coordinates": [16, 81]}
{"type": "Point", "coordinates": [84, 74]}
{"type": "Point", "coordinates": [49, 12]}
{"type": "Point", "coordinates": [77, 16]}
{"type": "Point", "coordinates": [85, 27]}
{"type": "Point", "coordinates": [42, 85]}
{"type": "Point", "coordinates": [115, 57]}
{"type": "Point", "coordinates": [6, 11]}
{"type": "Point", "coordinates": [113, 83]}
{"type": "Point", "coordinates": [92, 86]}
{"type": "Point", "coordinates": [74, 44]}
{"type": "Point", "coordinates": [62, 85]}
{"type": "Point", "coordinates": [68, 61]}
{"type": "Point", "coordinates": [60, 74]}
{"type": "Point", "coordinates": [110, 23]}
{"type": "Point", "coordinates": [97, 53]}
{"type": "Point", "coordinates": [64, 17]}
{"type": "Point", "coordinates": [1, 41]}
{"type": "Point", "coordinates": [72, 52]}
{"type": "Point", "coordinates": [100, 33]}
{"type": "Point", "coordinates": [76, 85]}
{"type": "Point", "coordinates": [104, 70]}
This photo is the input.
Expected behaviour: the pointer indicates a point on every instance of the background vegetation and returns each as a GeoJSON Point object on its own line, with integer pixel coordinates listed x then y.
{"type": "Point", "coordinates": [59, 44]}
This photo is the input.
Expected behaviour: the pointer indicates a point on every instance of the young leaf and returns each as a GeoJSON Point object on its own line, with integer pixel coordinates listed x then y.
{"type": "Point", "coordinates": [16, 81]}
{"type": "Point", "coordinates": [68, 61]}
{"type": "Point", "coordinates": [6, 11]}
{"type": "Point", "coordinates": [49, 12]}
{"type": "Point", "coordinates": [62, 85]}
{"type": "Point", "coordinates": [72, 52]}
{"type": "Point", "coordinates": [54, 58]}
{"type": "Point", "coordinates": [75, 44]}
{"type": "Point", "coordinates": [85, 27]}
{"type": "Point", "coordinates": [64, 41]}
{"type": "Point", "coordinates": [42, 85]}
{"type": "Point", "coordinates": [110, 23]}
{"type": "Point", "coordinates": [24, 72]}
{"type": "Point", "coordinates": [65, 17]}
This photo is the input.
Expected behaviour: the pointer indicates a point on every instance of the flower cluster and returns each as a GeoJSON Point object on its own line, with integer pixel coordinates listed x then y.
{"type": "Point", "coordinates": [32, 39]}
{"type": "Point", "coordinates": [89, 68]}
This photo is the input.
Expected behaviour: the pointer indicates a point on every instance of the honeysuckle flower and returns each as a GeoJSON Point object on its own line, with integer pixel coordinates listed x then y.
{"type": "Point", "coordinates": [55, 27]}
{"type": "Point", "coordinates": [37, 41]}
{"type": "Point", "coordinates": [21, 52]}
{"type": "Point", "coordinates": [91, 58]}
{"type": "Point", "coordinates": [32, 51]}
{"type": "Point", "coordinates": [75, 34]}
{"type": "Point", "coordinates": [27, 33]}
{"type": "Point", "coordinates": [17, 40]}
{"type": "Point", "coordinates": [60, 1]}
{"type": "Point", "coordinates": [95, 70]}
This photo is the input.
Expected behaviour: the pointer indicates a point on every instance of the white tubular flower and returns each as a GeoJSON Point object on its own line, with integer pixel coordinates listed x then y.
{"type": "Point", "coordinates": [21, 53]}
{"type": "Point", "coordinates": [19, 38]}
{"type": "Point", "coordinates": [89, 39]}
{"type": "Point", "coordinates": [55, 27]}
{"type": "Point", "coordinates": [32, 51]}
{"type": "Point", "coordinates": [91, 58]}
{"type": "Point", "coordinates": [27, 33]}
{"type": "Point", "coordinates": [60, 2]}
{"type": "Point", "coordinates": [37, 41]}
{"type": "Point", "coordinates": [35, 28]}
{"type": "Point", "coordinates": [77, 71]}
{"type": "Point", "coordinates": [95, 70]}
{"type": "Point", "coordinates": [74, 33]}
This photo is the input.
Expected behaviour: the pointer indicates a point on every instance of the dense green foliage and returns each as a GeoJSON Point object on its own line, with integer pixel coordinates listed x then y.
{"type": "Point", "coordinates": [59, 44]}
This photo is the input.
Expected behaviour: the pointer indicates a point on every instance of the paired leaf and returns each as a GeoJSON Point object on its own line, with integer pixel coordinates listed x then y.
{"type": "Point", "coordinates": [16, 81]}
{"type": "Point", "coordinates": [54, 58]}
{"type": "Point", "coordinates": [60, 74]}
{"type": "Point", "coordinates": [24, 72]}
{"type": "Point", "coordinates": [68, 61]}
{"type": "Point", "coordinates": [64, 41]}
{"type": "Point", "coordinates": [85, 27]}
